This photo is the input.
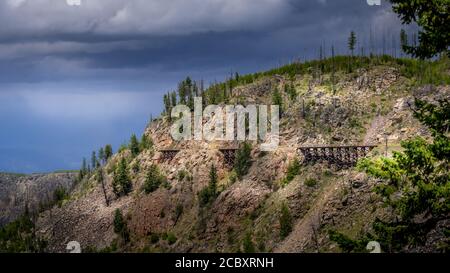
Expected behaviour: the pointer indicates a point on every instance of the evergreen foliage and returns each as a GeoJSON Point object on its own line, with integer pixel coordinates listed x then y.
{"type": "Point", "coordinates": [243, 160]}
{"type": "Point", "coordinates": [108, 152]}
{"type": "Point", "coordinates": [121, 181]}
{"type": "Point", "coordinates": [285, 221]}
{"type": "Point", "coordinates": [120, 226]}
{"type": "Point", "coordinates": [19, 237]}
{"type": "Point", "coordinates": [153, 180]}
{"type": "Point", "coordinates": [208, 194]}
{"type": "Point", "coordinates": [134, 146]}
{"type": "Point", "coordinates": [248, 245]}
{"type": "Point", "coordinates": [433, 18]}
{"type": "Point", "coordinates": [293, 170]}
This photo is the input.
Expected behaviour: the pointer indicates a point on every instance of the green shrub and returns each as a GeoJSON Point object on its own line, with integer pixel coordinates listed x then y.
{"type": "Point", "coordinates": [247, 244]}
{"type": "Point", "coordinates": [348, 245]}
{"type": "Point", "coordinates": [311, 182]}
{"type": "Point", "coordinates": [328, 173]}
{"type": "Point", "coordinates": [230, 235]}
{"type": "Point", "coordinates": [293, 170]}
{"type": "Point", "coordinates": [355, 123]}
{"type": "Point", "coordinates": [285, 221]}
{"type": "Point", "coordinates": [60, 195]}
{"type": "Point", "coordinates": [154, 238]}
{"type": "Point", "coordinates": [171, 238]}
{"type": "Point", "coordinates": [284, 182]}
{"type": "Point", "coordinates": [204, 196]}
{"type": "Point", "coordinates": [178, 211]}
{"type": "Point", "coordinates": [181, 175]}
{"type": "Point", "coordinates": [290, 91]}
{"type": "Point", "coordinates": [233, 177]}
{"type": "Point", "coordinates": [262, 246]}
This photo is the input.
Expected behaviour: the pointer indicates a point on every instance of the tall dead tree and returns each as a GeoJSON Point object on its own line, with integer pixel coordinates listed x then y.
{"type": "Point", "coordinates": [101, 179]}
{"type": "Point", "coordinates": [333, 70]}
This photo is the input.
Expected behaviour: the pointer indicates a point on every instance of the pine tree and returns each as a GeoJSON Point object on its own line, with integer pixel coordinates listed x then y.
{"type": "Point", "coordinates": [195, 90]}
{"type": "Point", "coordinates": [120, 226]}
{"type": "Point", "coordinates": [277, 100]}
{"type": "Point", "coordinates": [153, 180]}
{"type": "Point", "coordinates": [285, 221]}
{"type": "Point", "coordinates": [208, 194]}
{"type": "Point", "coordinates": [202, 88]}
{"type": "Point", "coordinates": [404, 40]}
{"type": "Point", "coordinates": [134, 146]}
{"type": "Point", "coordinates": [146, 143]}
{"type": "Point", "coordinates": [182, 92]}
{"type": "Point", "coordinates": [167, 105]}
{"type": "Point", "coordinates": [108, 152]}
{"type": "Point", "coordinates": [94, 161]}
{"type": "Point", "coordinates": [84, 168]}
{"type": "Point", "coordinates": [243, 160]}
{"type": "Point", "coordinates": [352, 42]}
{"type": "Point", "coordinates": [173, 96]}
{"type": "Point", "coordinates": [293, 169]}
{"type": "Point", "coordinates": [101, 156]}
{"type": "Point", "coordinates": [121, 182]}
{"type": "Point", "coordinates": [213, 180]}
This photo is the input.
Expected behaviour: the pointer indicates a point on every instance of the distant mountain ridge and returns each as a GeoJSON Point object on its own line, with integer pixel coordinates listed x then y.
{"type": "Point", "coordinates": [20, 190]}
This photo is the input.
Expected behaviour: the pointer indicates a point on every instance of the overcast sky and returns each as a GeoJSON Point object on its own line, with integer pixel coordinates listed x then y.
{"type": "Point", "coordinates": [73, 78]}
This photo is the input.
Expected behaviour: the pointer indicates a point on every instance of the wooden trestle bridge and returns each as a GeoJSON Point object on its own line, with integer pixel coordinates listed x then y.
{"type": "Point", "coordinates": [343, 156]}
{"type": "Point", "coordinates": [229, 156]}
{"type": "Point", "coordinates": [340, 155]}
{"type": "Point", "coordinates": [168, 155]}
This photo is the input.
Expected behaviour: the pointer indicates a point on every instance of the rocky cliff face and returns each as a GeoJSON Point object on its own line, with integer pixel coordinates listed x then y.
{"type": "Point", "coordinates": [366, 107]}
{"type": "Point", "coordinates": [35, 191]}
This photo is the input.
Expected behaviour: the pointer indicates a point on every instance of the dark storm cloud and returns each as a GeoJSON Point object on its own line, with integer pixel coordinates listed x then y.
{"type": "Point", "coordinates": [185, 34]}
